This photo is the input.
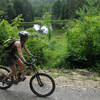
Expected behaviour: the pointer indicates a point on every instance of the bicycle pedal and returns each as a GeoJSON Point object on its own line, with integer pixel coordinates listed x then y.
{"type": "Point", "coordinates": [22, 79]}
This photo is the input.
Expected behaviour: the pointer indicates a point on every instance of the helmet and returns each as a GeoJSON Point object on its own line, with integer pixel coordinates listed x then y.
{"type": "Point", "coordinates": [23, 34]}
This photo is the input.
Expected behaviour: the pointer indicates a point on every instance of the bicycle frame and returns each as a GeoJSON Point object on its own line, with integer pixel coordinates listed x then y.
{"type": "Point", "coordinates": [34, 68]}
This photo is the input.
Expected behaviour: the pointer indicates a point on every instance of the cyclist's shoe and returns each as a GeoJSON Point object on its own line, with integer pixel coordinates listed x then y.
{"type": "Point", "coordinates": [21, 77]}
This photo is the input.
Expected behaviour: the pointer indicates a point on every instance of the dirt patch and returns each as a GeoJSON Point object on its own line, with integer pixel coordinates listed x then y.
{"type": "Point", "coordinates": [75, 78]}
{"type": "Point", "coordinates": [79, 78]}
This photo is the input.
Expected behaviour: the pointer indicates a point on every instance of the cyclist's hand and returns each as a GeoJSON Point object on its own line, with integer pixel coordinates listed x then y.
{"type": "Point", "coordinates": [28, 64]}
{"type": "Point", "coordinates": [34, 57]}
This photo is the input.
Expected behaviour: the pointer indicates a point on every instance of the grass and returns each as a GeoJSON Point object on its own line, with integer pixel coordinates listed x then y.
{"type": "Point", "coordinates": [95, 77]}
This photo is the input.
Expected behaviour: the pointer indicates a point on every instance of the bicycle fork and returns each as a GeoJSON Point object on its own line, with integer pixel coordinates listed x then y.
{"type": "Point", "coordinates": [38, 77]}
{"type": "Point", "coordinates": [39, 81]}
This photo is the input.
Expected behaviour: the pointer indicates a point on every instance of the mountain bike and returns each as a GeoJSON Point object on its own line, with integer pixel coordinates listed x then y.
{"type": "Point", "coordinates": [41, 84]}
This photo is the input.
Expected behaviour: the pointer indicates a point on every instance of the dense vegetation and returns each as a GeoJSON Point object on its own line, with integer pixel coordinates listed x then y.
{"type": "Point", "coordinates": [75, 44]}
{"type": "Point", "coordinates": [30, 9]}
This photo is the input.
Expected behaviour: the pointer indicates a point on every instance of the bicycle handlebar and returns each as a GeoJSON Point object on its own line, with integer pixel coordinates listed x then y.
{"type": "Point", "coordinates": [33, 61]}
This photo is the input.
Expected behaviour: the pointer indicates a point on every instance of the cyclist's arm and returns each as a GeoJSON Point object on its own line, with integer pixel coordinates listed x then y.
{"type": "Point", "coordinates": [27, 51]}
{"type": "Point", "coordinates": [18, 45]}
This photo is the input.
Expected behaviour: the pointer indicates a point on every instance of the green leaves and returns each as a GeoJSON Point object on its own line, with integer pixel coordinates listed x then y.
{"type": "Point", "coordinates": [83, 41]}
{"type": "Point", "coordinates": [4, 30]}
{"type": "Point", "coordinates": [9, 30]}
{"type": "Point", "coordinates": [92, 2]}
{"type": "Point", "coordinates": [17, 20]}
{"type": "Point", "coordinates": [56, 52]}
{"type": "Point", "coordinates": [91, 8]}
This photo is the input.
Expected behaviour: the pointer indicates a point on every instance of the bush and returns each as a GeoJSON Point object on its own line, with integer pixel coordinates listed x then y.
{"type": "Point", "coordinates": [83, 42]}
{"type": "Point", "coordinates": [50, 53]}
{"type": "Point", "coordinates": [56, 52]}
{"type": "Point", "coordinates": [6, 31]}
{"type": "Point", "coordinates": [35, 44]}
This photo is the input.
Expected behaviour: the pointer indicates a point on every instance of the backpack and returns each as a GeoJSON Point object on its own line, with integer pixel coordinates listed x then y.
{"type": "Point", "coordinates": [8, 44]}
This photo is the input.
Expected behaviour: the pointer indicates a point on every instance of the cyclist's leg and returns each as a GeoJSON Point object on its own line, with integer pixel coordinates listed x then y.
{"type": "Point", "coordinates": [13, 71]}
{"type": "Point", "coordinates": [10, 61]}
{"type": "Point", "coordinates": [20, 64]}
{"type": "Point", "coordinates": [21, 68]}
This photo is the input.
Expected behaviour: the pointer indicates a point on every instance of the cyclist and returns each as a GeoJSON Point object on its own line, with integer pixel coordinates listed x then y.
{"type": "Point", "coordinates": [12, 59]}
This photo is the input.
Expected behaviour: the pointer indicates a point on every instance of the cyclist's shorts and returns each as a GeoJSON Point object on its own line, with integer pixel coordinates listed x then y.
{"type": "Point", "coordinates": [9, 59]}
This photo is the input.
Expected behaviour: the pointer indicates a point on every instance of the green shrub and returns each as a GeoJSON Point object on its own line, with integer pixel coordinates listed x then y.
{"type": "Point", "coordinates": [50, 53]}
{"type": "Point", "coordinates": [56, 52]}
{"type": "Point", "coordinates": [35, 44]}
{"type": "Point", "coordinates": [83, 42]}
{"type": "Point", "coordinates": [6, 31]}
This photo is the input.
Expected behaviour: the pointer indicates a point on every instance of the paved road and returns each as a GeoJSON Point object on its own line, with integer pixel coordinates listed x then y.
{"type": "Point", "coordinates": [23, 92]}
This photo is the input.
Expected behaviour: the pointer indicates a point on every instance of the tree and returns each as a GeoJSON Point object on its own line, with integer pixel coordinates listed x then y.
{"type": "Point", "coordinates": [66, 9]}
{"type": "Point", "coordinates": [28, 12]}
{"type": "Point", "coordinates": [11, 13]}
{"type": "Point", "coordinates": [91, 8]}
{"type": "Point", "coordinates": [3, 8]}
{"type": "Point", "coordinates": [56, 10]}
{"type": "Point", "coordinates": [73, 6]}
{"type": "Point", "coordinates": [9, 9]}
{"type": "Point", "coordinates": [18, 6]}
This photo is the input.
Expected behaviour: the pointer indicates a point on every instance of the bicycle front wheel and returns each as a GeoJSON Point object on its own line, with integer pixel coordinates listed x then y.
{"type": "Point", "coordinates": [3, 73]}
{"type": "Point", "coordinates": [42, 84]}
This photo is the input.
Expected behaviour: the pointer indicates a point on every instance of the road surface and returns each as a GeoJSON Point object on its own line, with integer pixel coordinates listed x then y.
{"type": "Point", "coordinates": [23, 92]}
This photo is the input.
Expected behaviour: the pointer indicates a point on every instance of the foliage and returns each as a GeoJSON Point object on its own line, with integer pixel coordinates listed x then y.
{"type": "Point", "coordinates": [56, 52]}
{"type": "Point", "coordinates": [13, 8]}
{"type": "Point", "coordinates": [47, 23]}
{"type": "Point", "coordinates": [4, 30]}
{"type": "Point", "coordinates": [84, 39]}
{"type": "Point", "coordinates": [90, 9]}
{"type": "Point", "coordinates": [17, 20]}
{"type": "Point", "coordinates": [7, 30]}
{"type": "Point", "coordinates": [66, 9]}
{"type": "Point", "coordinates": [56, 9]}
{"type": "Point", "coordinates": [80, 46]}
{"type": "Point", "coordinates": [11, 13]}
{"type": "Point", "coordinates": [41, 6]}
{"type": "Point", "coordinates": [35, 44]}
{"type": "Point", "coordinates": [59, 9]}
{"type": "Point", "coordinates": [50, 53]}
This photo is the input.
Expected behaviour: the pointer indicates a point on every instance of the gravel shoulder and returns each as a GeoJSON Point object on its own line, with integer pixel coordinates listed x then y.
{"type": "Point", "coordinates": [79, 78]}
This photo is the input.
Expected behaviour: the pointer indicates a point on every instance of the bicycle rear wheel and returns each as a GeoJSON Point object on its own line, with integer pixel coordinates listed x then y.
{"type": "Point", "coordinates": [4, 72]}
{"type": "Point", "coordinates": [42, 84]}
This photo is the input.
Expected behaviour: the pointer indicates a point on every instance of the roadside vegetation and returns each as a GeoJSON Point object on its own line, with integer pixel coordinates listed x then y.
{"type": "Point", "coordinates": [74, 43]}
